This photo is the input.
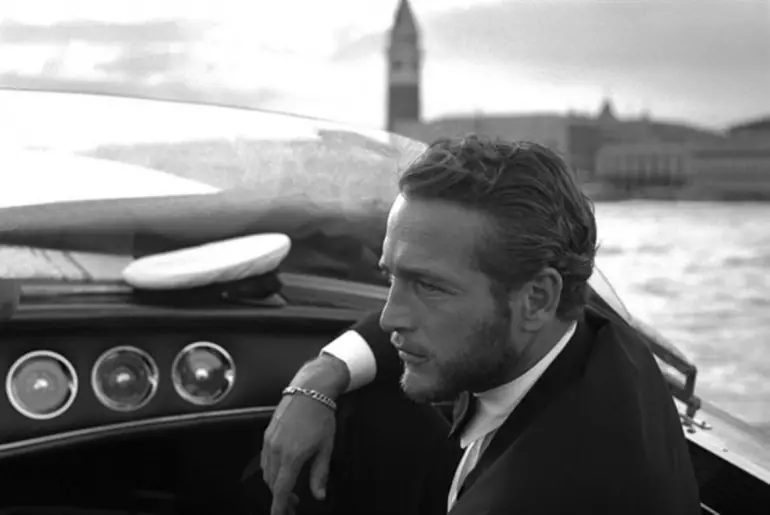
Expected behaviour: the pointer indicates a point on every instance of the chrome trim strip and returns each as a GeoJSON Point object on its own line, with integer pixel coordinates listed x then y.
{"type": "Point", "coordinates": [153, 378]}
{"type": "Point", "coordinates": [720, 439]}
{"type": "Point", "coordinates": [54, 289]}
{"type": "Point", "coordinates": [134, 424]}
{"type": "Point", "coordinates": [73, 384]}
{"type": "Point", "coordinates": [229, 376]}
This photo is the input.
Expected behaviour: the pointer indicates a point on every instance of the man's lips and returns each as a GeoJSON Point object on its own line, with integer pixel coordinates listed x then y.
{"type": "Point", "coordinates": [412, 359]}
{"type": "Point", "coordinates": [406, 354]}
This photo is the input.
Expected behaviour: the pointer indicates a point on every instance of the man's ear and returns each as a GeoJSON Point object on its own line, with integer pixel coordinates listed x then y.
{"type": "Point", "coordinates": [540, 299]}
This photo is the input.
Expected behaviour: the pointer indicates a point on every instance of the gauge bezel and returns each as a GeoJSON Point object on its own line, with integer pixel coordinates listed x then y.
{"type": "Point", "coordinates": [154, 378]}
{"type": "Point", "coordinates": [73, 384]}
{"type": "Point", "coordinates": [176, 380]}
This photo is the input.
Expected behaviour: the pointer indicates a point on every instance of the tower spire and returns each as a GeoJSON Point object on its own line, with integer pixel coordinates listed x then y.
{"type": "Point", "coordinates": [404, 61]}
{"type": "Point", "coordinates": [404, 19]}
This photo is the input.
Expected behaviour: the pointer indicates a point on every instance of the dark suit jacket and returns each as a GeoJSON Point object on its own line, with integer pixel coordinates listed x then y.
{"type": "Point", "coordinates": [598, 433]}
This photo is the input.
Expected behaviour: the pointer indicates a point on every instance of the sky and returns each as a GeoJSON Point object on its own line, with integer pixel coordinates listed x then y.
{"type": "Point", "coordinates": [706, 62]}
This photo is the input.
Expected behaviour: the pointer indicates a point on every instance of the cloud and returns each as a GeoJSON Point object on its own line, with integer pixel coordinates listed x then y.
{"type": "Point", "coordinates": [361, 47]}
{"type": "Point", "coordinates": [142, 50]}
{"type": "Point", "coordinates": [154, 59]}
{"type": "Point", "coordinates": [161, 31]}
{"type": "Point", "coordinates": [730, 37]}
{"type": "Point", "coordinates": [144, 61]}
{"type": "Point", "coordinates": [168, 90]}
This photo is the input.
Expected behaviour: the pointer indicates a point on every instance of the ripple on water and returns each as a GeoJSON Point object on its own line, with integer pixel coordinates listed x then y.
{"type": "Point", "coordinates": [661, 287]}
{"type": "Point", "coordinates": [747, 261]}
{"type": "Point", "coordinates": [700, 274]}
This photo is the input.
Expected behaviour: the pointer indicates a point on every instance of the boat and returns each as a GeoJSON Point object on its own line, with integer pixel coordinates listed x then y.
{"type": "Point", "coordinates": [128, 392]}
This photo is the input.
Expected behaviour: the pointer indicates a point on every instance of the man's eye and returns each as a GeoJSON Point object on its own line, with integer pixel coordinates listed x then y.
{"type": "Point", "coordinates": [427, 287]}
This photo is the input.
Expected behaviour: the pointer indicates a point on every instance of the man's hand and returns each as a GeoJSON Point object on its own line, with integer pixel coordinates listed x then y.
{"type": "Point", "coordinates": [302, 429]}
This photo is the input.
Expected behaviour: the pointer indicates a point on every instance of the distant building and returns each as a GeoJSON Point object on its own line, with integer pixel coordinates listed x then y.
{"type": "Point", "coordinates": [733, 168]}
{"type": "Point", "coordinates": [629, 153]}
{"type": "Point", "coordinates": [404, 66]}
{"type": "Point", "coordinates": [754, 129]}
{"type": "Point", "coordinates": [632, 166]}
{"type": "Point", "coordinates": [738, 167]}
{"type": "Point", "coordinates": [578, 138]}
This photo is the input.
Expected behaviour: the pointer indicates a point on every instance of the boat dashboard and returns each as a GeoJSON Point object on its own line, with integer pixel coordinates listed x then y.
{"type": "Point", "coordinates": [114, 372]}
{"type": "Point", "coordinates": [116, 405]}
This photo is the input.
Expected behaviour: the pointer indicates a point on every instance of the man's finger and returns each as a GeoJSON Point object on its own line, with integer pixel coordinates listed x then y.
{"type": "Point", "coordinates": [265, 461]}
{"type": "Point", "coordinates": [272, 456]}
{"type": "Point", "coordinates": [265, 465]}
{"type": "Point", "coordinates": [293, 504]}
{"type": "Point", "coordinates": [283, 488]}
{"type": "Point", "coordinates": [275, 463]}
{"type": "Point", "coordinates": [320, 472]}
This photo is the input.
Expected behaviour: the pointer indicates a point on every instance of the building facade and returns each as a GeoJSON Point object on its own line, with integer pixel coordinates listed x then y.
{"type": "Point", "coordinates": [633, 166]}
{"type": "Point", "coordinates": [735, 168]}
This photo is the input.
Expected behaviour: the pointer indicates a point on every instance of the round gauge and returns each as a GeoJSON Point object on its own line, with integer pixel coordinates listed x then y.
{"type": "Point", "coordinates": [203, 373]}
{"type": "Point", "coordinates": [125, 378]}
{"type": "Point", "coordinates": [41, 385]}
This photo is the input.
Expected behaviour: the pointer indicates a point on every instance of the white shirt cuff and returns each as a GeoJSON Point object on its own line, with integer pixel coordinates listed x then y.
{"type": "Point", "coordinates": [351, 348]}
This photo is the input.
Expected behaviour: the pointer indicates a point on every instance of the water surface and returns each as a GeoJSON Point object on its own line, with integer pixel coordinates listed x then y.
{"type": "Point", "coordinates": [700, 273]}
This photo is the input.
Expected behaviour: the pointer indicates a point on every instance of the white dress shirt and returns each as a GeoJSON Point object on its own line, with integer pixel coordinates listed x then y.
{"type": "Point", "coordinates": [492, 409]}
{"type": "Point", "coordinates": [352, 349]}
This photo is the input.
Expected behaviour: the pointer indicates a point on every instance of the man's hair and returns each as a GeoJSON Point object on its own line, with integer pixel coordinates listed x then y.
{"type": "Point", "coordinates": [539, 215]}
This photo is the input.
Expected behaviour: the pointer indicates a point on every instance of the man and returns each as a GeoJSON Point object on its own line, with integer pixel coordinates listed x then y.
{"type": "Point", "coordinates": [561, 408]}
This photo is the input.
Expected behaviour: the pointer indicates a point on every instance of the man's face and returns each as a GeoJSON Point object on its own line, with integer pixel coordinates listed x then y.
{"type": "Point", "coordinates": [451, 332]}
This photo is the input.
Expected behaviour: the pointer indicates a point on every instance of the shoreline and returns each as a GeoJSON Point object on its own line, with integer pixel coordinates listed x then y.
{"type": "Point", "coordinates": [608, 193]}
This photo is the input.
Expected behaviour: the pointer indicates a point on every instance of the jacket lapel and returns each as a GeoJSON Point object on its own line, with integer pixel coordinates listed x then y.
{"type": "Point", "coordinates": [565, 369]}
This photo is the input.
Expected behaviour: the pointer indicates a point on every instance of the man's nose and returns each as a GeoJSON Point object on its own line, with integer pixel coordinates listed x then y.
{"type": "Point", "coordinates": [397, 314]}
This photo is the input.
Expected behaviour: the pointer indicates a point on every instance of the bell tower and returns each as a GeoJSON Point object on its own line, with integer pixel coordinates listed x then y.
{"type": "Point", "coordinates": [404, 60]}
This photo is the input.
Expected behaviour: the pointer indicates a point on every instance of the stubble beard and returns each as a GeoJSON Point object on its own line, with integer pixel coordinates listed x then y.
{"type": "Point", "coordinates": [487, 358]}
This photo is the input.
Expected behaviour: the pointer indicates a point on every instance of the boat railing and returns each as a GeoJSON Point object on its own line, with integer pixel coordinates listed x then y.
{"type": "Point", "coordinates": [672, 361]}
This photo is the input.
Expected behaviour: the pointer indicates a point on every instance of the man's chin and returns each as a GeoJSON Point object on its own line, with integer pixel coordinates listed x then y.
{"type": "Point", "coordinates": [421, 388]}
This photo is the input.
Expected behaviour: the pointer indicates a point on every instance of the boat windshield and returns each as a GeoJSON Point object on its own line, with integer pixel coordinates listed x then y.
{"type": "Point", "coordinates": [109, 179]}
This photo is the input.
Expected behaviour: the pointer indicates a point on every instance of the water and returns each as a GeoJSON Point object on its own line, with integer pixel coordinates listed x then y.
{"type": "Point", "coordinates": [699, 273]}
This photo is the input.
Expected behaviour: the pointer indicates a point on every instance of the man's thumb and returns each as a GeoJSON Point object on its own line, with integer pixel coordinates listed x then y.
{"type": "Point", "coordinates": [320, 473]}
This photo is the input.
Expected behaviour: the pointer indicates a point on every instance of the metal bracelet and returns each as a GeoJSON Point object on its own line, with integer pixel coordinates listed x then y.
{"type": "Point", "coordinates": [313, 394]}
